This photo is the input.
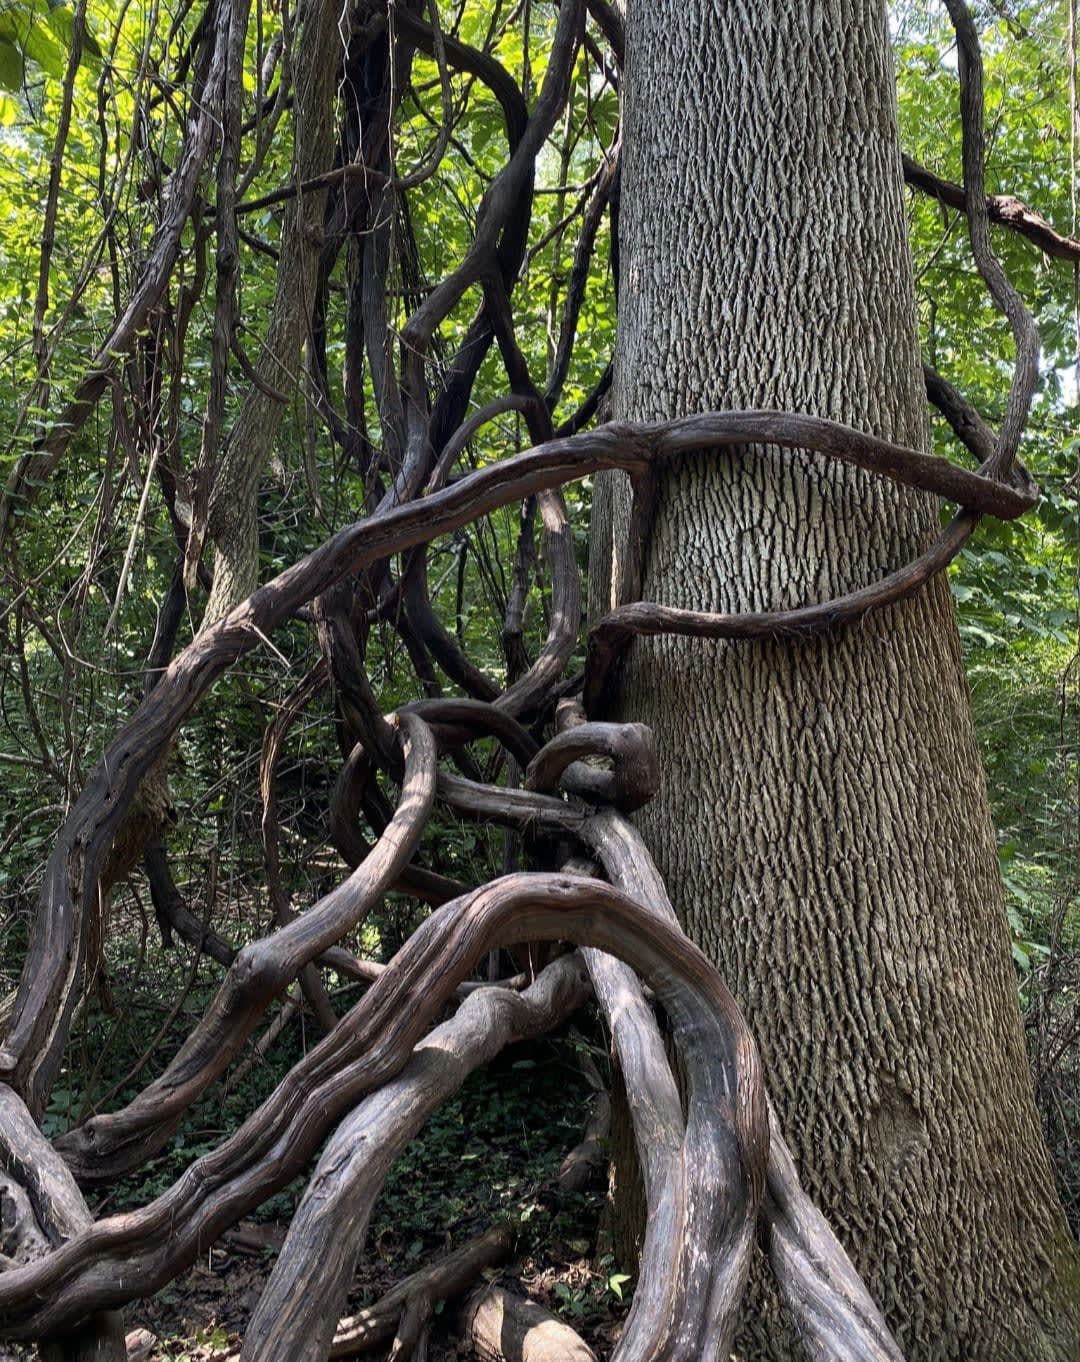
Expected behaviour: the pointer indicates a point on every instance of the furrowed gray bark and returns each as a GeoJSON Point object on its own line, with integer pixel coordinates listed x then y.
{"type": "Point", "coordinates": [822, 823]}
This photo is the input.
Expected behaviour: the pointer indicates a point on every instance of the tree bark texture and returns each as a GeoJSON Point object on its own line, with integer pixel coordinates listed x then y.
{"type": "Point", "coordinates": [233, 520]}
{"type": "Point", "coordinates": [822, 823]}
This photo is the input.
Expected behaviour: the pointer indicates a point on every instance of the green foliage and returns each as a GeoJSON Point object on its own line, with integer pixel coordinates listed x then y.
{"type": "Point", "coordinates": [35, 39]}
{"type": "Point", "coordinates": [485, 1154]}
{"type": "Point", "coordinates": [1015, 585]}
{"type": "Point", "coordinates": [70, 674]}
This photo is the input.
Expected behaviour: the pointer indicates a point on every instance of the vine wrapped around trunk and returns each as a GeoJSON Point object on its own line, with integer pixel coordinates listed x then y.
{"type": "Point", "coordinates": [756, 810]}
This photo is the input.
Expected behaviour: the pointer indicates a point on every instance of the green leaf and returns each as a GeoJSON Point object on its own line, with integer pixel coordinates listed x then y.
{"type": "Point", "coordinates": [11, 68]}
{"type": "Point", "coordinates": [19, 28]}
{"type": "Point", "coordinates": [615, 1283]}
{"type": "Point", "coordinates": [61, 20]}
{"type": "Point", "coordinates": [40, 46]}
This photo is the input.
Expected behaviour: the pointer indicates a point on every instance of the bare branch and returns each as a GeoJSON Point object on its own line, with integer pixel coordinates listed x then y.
{"type": "Point", "coordinates": [1004, 209]}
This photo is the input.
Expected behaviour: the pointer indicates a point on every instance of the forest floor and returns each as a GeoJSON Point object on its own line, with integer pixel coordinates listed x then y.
{"type": "Point", "coordinates": [489, 1154]}
{"type": "Point", "coordinates": [202, 1315]}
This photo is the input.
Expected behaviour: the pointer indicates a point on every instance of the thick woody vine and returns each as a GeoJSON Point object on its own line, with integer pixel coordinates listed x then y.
{"type": "Point", "coordinates": [715, 1168]}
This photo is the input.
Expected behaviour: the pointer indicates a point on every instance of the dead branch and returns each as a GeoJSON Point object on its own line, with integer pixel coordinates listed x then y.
{"type": "Point", "coordinates": [442, 1279]}
{"type": "Point", "coordinates": [502, 1327]}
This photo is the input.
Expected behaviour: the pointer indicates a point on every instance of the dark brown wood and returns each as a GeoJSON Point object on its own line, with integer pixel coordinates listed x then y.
{"type": "Point", "coordinates": [42, 1207]}
{"type": "Point", "coordinates": [632, 780]}
{"type": "Point", "coordinates": [126, 1256]}
{"type": "Point", "coordinates": [173, 912]}
{"type": "Point", "coordinates": [523, 809]}
{"type": "Point", "coordinates": [532, 692]}
{"type": "Point", "coordinates": [609, 635]}
{"type": "Point", "coordinates": [1005, 295]}
{"type": "Point", "coordinates": [441, 1280]}
{"type": "Point", "coordinates": [31, 1052]}
{"type": "Point", "coordinates": [967, 425]}
{"type": "Point", "coordinates": [112, 1143]}
{"type": "Point", "coordinates": [345, 834]}
{"type": "Point", "coordinates": [296, 1315]}
{"type": "Point", "coordinates": [833, 1311]}
{"type": "Point", "coordinates": [449, 717]}
{"type": "Point", "coordinates": [1004, 209]}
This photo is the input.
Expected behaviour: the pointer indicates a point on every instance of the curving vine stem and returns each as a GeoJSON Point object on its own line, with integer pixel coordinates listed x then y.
{"type": "Point", "coordinates": [374, 1041]}
{"type": "Point", "coordinates": [30, 1054]}
{"type": "Point", "coordinates": [716, 1170]}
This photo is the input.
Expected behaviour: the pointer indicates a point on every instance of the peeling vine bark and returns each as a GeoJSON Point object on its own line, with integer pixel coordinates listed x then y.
{"type": "Point", "coordinates": [315, 1268]}
{"type": "Point", "coordinates": [233, 476]}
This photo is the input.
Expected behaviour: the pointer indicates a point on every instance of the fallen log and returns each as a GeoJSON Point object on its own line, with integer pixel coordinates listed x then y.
{"type": "Point", "coordinates": [501, 1327]}
{"type": "Point", "coordinates": [441, 1280]}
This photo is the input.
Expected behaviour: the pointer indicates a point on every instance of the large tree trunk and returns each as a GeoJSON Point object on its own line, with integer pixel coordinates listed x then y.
{"type": "Point", "coordinates": [822, 822]}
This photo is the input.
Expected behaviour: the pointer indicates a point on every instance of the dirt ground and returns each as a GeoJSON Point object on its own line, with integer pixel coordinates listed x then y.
{"type": "Point", "coordinates": [201, 1316]}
